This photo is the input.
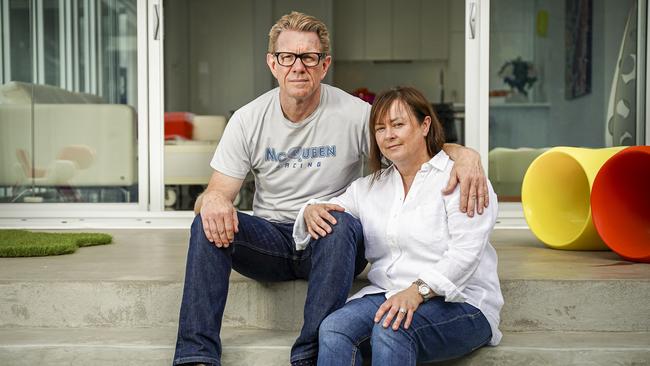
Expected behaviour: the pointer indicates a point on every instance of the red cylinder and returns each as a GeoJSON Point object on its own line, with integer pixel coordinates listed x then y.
{"type": "Point", "coordinates": [620, 203]}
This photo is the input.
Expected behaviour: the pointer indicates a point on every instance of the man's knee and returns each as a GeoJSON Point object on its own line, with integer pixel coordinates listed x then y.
{"type": "Point", "coordinates": [197, 233]}
{"type": "Point", "coordinates": [346, 237]}
{"type": "Point", "coordinates": [346, 224]}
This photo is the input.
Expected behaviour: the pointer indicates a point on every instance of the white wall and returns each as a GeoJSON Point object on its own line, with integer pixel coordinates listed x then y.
{"type": "Point", "coordinates": [177, 55]}
{"type": "Point", "coordinates": [215, 51]}
{"type": "Point", "coordinates": [377, 77]}
{"type": "Point", "coordinates": [423, 74]}
{"type": "Point", "coordinates": [456, 52]}
{"type": "Point", "coordinates": [580, 122]}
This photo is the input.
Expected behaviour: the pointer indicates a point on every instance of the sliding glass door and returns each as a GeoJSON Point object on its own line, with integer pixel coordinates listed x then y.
{"type": "Point", "coordinates": [545, 73]}
{"type": "Point", "coordinates": [70, 103]}
{"type": "Point", "coordinates": [562, 73]}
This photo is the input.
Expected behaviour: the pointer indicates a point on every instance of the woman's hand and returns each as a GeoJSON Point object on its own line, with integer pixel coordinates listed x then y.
{"type": "Point", "coordinates": [318, 218]}
{"type": "Point", "coordinates": [402, 304]}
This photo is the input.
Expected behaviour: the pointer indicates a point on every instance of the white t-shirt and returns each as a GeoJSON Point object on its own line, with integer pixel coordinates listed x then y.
{"type": "Point", "coordinates": [424, 236]}
{"type": "Point", "coordinates": [292, 162]}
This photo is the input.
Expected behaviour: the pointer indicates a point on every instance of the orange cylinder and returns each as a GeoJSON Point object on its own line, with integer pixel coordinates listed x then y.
{"type": "Point", "coordinates": [620, 203]}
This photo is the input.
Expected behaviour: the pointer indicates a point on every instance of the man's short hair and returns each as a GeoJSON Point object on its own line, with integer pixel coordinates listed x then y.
{"type": "Point", "coordinates": [297, 21]}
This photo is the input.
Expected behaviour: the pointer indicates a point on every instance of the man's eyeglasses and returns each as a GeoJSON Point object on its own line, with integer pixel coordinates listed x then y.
{"type": "Point", "coordinates": [309, 59]}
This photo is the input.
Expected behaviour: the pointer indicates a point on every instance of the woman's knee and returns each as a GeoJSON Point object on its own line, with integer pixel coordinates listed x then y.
{"type": "Point", "coordinates": [389, 339]}
{"type": "Point", "coordinates": [330, 324]}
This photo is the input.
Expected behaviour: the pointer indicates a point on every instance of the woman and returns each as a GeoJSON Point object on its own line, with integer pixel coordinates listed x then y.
{"type": "Point", "coordinates": [434, 292]}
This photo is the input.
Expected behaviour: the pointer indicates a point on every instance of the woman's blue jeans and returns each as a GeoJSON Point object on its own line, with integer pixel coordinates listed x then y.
{"type": "Point", "coordinates": [265, 251]}
{"type": "Point", "coordinates": [439, 331]}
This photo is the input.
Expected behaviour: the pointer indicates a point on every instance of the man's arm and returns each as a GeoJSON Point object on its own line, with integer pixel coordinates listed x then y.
{"type": "Point", "coordinates": [469, 172]}
{"type": "Point", "coordinates": [218, 214]}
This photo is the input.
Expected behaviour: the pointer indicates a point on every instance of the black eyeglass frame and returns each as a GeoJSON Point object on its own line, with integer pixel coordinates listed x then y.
{"type": "Point", "coordinates": [321, 56]}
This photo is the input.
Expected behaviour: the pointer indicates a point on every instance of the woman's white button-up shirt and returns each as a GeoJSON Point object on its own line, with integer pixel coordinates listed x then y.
{"type": "Point", "coordinates": [423, 235]}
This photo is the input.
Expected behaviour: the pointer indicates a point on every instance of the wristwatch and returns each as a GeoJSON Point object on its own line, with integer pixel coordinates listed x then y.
{"type": "Point", "coordinates": [424, 290]}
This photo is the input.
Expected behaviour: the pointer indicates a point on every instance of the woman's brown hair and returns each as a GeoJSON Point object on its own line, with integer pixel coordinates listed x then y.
{"type": "Point", "coordinates": [417, 106]}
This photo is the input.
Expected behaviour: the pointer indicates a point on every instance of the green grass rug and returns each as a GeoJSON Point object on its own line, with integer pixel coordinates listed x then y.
{"type": "Point", "coordinates": [23, 243]}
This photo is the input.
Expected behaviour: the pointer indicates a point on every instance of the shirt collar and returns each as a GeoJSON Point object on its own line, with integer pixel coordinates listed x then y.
{"type": "Point", "coordinates": [439, 161]}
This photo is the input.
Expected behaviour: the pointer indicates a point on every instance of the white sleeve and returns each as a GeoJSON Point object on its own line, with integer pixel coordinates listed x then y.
{"type": "Point", "coordinates": [348, 200]}
{"type": "Point", "coordinates": [232, 156]}
{"type": "Point", "coordinates": [469, 237]}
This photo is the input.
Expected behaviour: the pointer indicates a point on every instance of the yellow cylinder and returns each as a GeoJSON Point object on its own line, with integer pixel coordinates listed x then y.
{"type": "Point", "coordinates": [555, 196]}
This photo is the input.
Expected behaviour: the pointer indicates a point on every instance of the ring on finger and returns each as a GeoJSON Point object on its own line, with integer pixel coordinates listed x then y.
{"type": "Point", "coordinates": [402, 310]}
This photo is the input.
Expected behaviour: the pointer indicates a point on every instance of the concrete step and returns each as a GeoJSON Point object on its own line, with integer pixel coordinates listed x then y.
{"type": "Point", "coordinates": [137, 282]}
{"type": "Point", "coordinates": [530, 305]}
{"type": "Point", "coordinates": [154, 346]}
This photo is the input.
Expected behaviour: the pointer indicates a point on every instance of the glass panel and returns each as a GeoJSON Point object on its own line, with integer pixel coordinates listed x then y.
{"type": "Point", "coordinates": [562, 73]}
{"type": "Point", "coordinates": [210, 72]}
{"type": "Point", "coordinates": [83, 144]}
{"type": "Point", "coordinates": [20, 40]}
{"type": "Point", "coordinates": [16, 122]}
{"type": "Point", "coordinates": [51, 39]}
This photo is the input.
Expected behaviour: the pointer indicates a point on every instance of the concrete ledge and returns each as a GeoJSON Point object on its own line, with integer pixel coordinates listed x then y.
{"type": "Point", "coordinates": [155, 346]}
{"type": "Point", "coordinates": [530, 305]}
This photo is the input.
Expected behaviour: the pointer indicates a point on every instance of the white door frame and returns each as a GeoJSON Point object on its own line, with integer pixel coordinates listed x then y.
{"type": "Point", "coordinates": [156, 105]}
{"type": "Point", "coordinates": [477, 85]}
{"type": "Point", "coordinates": [477, 61]}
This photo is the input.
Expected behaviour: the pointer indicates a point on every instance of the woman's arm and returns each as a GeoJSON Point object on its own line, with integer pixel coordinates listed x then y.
{"type": "Point", "coordinates": [313, 220]}
{"type": "Point", "coordinates": [469, 237]}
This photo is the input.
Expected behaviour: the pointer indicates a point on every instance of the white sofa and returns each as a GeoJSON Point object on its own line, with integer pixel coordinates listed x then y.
{"type": "Point", "coordinates": [507, 168]}
{"type": "Point", "coordinates": [65, 124]}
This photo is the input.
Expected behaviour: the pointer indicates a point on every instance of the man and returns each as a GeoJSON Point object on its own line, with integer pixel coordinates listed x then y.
{"type": "Point", "coordinates": [301, 140]}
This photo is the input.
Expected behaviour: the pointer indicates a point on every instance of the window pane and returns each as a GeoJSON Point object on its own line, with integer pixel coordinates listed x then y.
{"type": "Point", "coordinates": [553, 74]}
{"type": "Point", "coordinates": [215, 62]}
{"type": "Point", "coordinates": [82, 132]}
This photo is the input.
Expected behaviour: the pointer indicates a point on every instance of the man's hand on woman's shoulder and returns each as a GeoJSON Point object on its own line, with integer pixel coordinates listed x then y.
{"type": "Point", "coordinates": [468, 171]}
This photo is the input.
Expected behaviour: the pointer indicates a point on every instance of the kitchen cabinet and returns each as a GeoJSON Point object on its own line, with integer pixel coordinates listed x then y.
{"type": "Point", "coordinates": [434, 30]}
{"type": "Point", "coordinates": [348, 41]}
{"type": "Point", "coordinates": [391, 30]}
{"type": "Point", "coordinates": [405, 37]}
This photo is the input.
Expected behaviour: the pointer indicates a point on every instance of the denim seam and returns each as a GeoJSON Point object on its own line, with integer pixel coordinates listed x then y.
{"type": "Point", "coordinates": [194, 359]}
{"type": "Point", "coordinates": [245, 244]}
{"type": "Point", "coordinates": [302, 356]}
{"type": "Point", "coordinates": [482, 343]}
{"type": "Point", "coordinates": [356, 348]}
{"type": "Point", "coordinates": [449, 320]}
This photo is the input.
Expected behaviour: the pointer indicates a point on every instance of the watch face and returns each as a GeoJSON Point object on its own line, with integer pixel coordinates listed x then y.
{"type": "Point", "coordinates": [424, 290]}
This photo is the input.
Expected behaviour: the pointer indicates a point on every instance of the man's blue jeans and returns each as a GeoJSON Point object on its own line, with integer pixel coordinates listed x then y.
{"type": "Point", "coordinates": [265, 251]}
{"type": "Point", "coordinates": [439, 331]}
